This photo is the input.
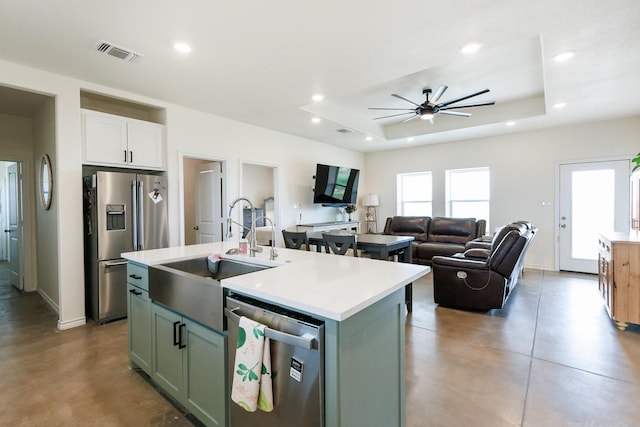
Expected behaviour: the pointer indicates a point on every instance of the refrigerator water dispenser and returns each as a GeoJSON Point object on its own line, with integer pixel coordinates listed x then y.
{"type": "Point", "coordinates": [115, 217]}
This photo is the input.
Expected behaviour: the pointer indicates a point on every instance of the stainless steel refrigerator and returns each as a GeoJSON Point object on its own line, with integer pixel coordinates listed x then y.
{"type": "Point", "coordinates": [123, 212]}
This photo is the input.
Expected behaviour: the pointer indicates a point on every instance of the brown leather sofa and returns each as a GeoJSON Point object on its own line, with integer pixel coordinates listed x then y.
{"type": "Point", "coordinates": [435, 236]}
{"type": "Point", "coordinates": [469, 281]}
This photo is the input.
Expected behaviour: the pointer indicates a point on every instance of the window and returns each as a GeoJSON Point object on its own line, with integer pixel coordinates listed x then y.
{"type": "Point", "coordinates": [468, 193]}
{"type": "Point", "coordinates": [415, 194]}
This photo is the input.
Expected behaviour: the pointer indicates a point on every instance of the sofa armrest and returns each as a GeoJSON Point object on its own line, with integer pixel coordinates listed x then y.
{"type": "Point", "coordinates": [459, 263]}
{"type": "Point", "coordinates": [477, 253]}
{"type": "Point", "coordinates": [477, 244]}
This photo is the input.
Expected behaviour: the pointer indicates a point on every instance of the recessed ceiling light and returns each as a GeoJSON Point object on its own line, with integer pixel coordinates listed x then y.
{"type": "Point", "coordinates": [369, 138]}
{"type": "Point", "coordinates": [510, 123]}
{"type": "Point", "coordinates": [316, 120]}
{"type": "Point", "coordinates": [564, 56]}
{"type": "Point", "coordinates": [182, 47]}
{"type": "Point", "coordinates": [471, 47]}
{"type": "Point", "coordinates": [317, 97]}
{"type": "Point", "coordinates": [410, 139]}
{"type": "Point", "coordinates": [559, 105]}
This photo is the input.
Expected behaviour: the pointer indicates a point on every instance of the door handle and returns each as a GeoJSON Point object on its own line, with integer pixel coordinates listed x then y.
{"type": "Point", "coordinates": [115, 264]}
{"type": "Point", "coordinates": [196, 228]}
{"type": "Point", "coordinates": [563, 225]}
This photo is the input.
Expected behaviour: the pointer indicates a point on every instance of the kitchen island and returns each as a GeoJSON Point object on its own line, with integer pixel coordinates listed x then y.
{"type": "Point", "coordinates": [360, 301]}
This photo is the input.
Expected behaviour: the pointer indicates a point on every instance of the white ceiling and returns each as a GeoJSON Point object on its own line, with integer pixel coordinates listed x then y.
{"type": "Point", "coordinates": [259, 62]}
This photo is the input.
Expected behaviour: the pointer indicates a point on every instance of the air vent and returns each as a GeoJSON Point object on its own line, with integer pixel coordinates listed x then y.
{"type": "Point", "coordinates": [343, 130]}
{"type": "Point", "coordinates": [118, 51]}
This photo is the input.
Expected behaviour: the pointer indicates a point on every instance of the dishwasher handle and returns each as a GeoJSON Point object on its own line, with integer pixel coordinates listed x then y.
{"type": "Point", "coordinates": [305, 341]}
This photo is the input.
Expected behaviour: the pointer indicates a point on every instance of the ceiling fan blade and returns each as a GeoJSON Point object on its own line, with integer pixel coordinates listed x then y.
{"type": "Point", "coordinates": [454, 113]}
{"type": "Point", "coordinates": [393, 115]}
{"type": "Point", "coordinates": [382, 108]}
{"type": "Point", "coordinates": [437, 95]}
{"type": "Point", "coordinates": [410, 118]}
{"type": "Point", "coordinates": [462, 98]}
{"type": "Point", "coordinates": [468, 105]}
{"type": "Point", "coordinates": [405, 99]}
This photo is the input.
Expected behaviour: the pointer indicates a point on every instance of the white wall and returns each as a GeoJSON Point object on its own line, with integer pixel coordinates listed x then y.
{"type": "Point", "coordinates": [523, 172]}
{"type": "Point", "coordinates": [188, 131]}
{"type": "Point", "coordinates": [200, 134]}
{"type": "Point", "coordinates": [46, 233]}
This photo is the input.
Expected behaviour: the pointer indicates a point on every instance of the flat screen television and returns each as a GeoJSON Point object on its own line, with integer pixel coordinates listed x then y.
{"type": "Point", "coordinates": [336, 185]}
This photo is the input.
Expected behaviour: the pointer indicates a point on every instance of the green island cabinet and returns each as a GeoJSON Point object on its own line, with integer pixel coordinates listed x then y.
{"type": "Point", "coordinates": [364, 382]}
{"type": "Point", "coordinates": [139, 317]}
{"type": "Point", "coordinates": [187, 360]}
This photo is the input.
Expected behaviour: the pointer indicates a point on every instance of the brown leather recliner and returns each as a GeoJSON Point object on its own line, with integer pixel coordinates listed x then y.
{"type": "Point", "coordinates": [477, 284]}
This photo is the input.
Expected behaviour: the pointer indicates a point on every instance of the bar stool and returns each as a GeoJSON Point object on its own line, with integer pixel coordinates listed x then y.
{"type": "Point", "coordinates": [340, 244]}
{"type": "Point", "coordinates": [295, 239]}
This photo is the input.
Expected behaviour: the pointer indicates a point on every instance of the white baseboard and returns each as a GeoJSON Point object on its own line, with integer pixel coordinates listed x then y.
{"type": "Point", "coordinates": [49, 301]}
{"type": "Point", "coordinates": [68, 324]}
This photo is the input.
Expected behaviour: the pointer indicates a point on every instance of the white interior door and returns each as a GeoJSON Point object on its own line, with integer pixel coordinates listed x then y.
{"type": "Point", "coordinates": [594, 197]}
{"type": "Point", "coordinates": [209, 203]}
{"type": "Point", "coordinates": [14, 224]}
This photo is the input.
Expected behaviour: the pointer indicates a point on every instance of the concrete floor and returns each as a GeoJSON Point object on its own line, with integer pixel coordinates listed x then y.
{"type": "Point", "coordinates": [552, 357]}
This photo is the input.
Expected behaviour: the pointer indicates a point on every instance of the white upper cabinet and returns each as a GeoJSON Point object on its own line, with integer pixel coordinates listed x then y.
{"type": "Point", "coordinates": [112, 140]}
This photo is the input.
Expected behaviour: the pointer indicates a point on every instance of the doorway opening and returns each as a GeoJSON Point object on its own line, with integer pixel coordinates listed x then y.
{"type": "Point", "coordinates": [11, 223]}
{"type": "Point", "coordinates": [203, 199]}
{"type": "Point", "coordinates": [259, 183]}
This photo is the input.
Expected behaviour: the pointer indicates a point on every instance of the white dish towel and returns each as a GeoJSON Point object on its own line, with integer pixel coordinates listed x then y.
{"type": "Point", "coordinates": [252, 388]}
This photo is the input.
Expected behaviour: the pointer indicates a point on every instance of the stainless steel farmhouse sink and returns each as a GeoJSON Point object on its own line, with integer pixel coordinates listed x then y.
{"type": "Point", "coordinates": [188, 287]}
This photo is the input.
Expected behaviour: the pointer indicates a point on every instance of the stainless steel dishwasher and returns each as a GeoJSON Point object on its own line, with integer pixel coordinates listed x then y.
{"type": "Point", "coordinates": [297, 364]}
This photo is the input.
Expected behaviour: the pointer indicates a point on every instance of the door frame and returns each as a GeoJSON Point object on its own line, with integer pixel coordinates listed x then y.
{"type": "Point", "coordinates": [26, 246]}
{"type": "Point", "coordinates": [181, 190]}
{"type": "Point", "coordinates": [556, 220]}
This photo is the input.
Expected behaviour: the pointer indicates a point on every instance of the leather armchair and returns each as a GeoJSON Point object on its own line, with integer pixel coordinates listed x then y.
{"type": "Point", "coordinates": [481, 284]}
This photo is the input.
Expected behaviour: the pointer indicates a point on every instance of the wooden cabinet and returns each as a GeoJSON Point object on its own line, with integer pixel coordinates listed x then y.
{"type": "Point", "coordinates": [189, 363]}
{"type": "Point", "coordinates": [619, 276]}
{"type": "Point", "coordinates": [112, 140]}
{"type": "Point", "coordinates": [139, 317]}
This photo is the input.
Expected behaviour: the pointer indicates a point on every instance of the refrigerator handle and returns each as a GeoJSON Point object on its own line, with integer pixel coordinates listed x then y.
{"type": "Point", "coordinates": [140, 215]}
{"type": "Point", "coordinates": [134, 216]}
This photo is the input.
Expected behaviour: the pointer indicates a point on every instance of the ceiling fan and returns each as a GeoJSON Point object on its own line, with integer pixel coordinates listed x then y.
{"type": "Point", "coordinates": [431, 107]}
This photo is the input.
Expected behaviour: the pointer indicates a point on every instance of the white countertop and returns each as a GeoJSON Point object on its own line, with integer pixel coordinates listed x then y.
{"type": "Point", "coordinates": [331, 286]}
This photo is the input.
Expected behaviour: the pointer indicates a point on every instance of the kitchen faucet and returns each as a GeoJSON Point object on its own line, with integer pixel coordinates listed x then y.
{"type": "Point", "coordinates": [253, 246]}
{"type": "Point", "coordinates": [272, 252]}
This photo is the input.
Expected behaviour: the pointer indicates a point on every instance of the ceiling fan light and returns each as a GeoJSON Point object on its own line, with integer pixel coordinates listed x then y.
{"type": "Point", "coordinates": [426, 116]}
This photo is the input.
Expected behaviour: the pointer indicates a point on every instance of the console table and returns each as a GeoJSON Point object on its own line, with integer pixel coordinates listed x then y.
{"type": "Point", "coordinates": [330, 226]}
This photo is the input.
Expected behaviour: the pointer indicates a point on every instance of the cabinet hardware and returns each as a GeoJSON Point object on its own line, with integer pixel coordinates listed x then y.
{"type": "Point", "coordinates": [133, 291]}
{"type": "Point", "coordinates": [180, 329]}
{"type": "Point", "coordinates": [130, 156]}
{"type": "Point", "coordinates": [125, 156]}
{"type": "Point", "coordinates": [175, 333]}
{"type": "Point", "coordinates": [135, 276]}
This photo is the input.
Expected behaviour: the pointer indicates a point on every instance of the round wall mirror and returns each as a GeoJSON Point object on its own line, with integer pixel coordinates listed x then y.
{"type": "Point", "coordinates": [46, 182]}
